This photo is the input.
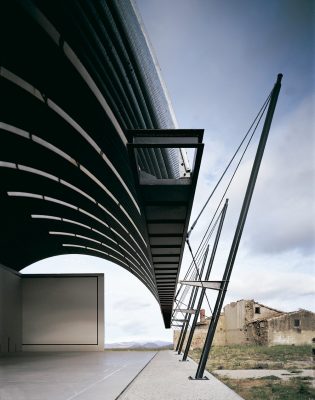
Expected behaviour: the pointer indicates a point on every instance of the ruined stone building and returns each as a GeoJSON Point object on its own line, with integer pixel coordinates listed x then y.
{"type": "Point", "coordinates": [297, 327]}
{"type": "Point", "coordinates": [249, 322]}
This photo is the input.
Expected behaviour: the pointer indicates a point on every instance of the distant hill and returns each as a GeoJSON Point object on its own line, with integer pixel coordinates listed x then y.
{"type": "Point", "coordinates": [155, 345]}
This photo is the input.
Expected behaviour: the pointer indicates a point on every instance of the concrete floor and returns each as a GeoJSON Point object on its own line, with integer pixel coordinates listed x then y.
{"type": "Point", "coordinates": [109, 375]}
{"type": "Point", "coordinates": [67, 376]}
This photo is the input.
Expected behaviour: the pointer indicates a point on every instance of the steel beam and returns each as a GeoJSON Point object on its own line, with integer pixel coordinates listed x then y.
{"type": "Point", "coordinates": [185, 311]}
{"type": "Point", "coordinates": [203, 291]}
{"type": "Point", "coordinates": [192, 303]}
{"type": "Point", "coordinates": [239, 228]}
{"type": "Point", "coordinates": [216, 285]}
{"type": "Point", "coordinates": [184, 323]}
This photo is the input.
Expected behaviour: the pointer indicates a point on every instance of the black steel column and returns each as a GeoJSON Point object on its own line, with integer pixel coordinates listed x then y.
{"type": "Point", "coordinates": [183, 326]}
{"type": "Point", "coordinates": [239, 228]}
{"type": "Point", "coordinates": [192, 303]}
{"type": "Point", "coordinates": [189, 306]}
{"type": "Point", "coordinates": [179, 343]}
{"type": "Point", "coordinates": [185, 321]}
{"type": "Point", "coordinates": [203, 290]}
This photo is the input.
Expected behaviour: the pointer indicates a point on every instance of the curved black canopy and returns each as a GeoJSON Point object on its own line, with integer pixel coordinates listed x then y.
{"type": "Point", "coordinates": [75, 76]}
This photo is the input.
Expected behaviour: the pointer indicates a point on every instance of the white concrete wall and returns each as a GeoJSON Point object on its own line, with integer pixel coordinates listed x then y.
{"type": "Point", "coordinates": [63, 312]}
{"type": "Point", "coordinates": [235, 314]}
{"type": "Point", "coordinates": [10, 311]}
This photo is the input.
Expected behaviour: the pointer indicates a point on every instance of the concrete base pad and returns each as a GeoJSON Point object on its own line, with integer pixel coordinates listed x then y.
{"type": "Point", "coordinates": [167, 378]}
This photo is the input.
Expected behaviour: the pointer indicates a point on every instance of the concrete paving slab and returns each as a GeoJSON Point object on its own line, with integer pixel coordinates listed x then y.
{"type": "Point", "coordinates": [166, 378]}
{"type": "Point", "coordinates": [69, 376]}
{"type": "Point", "coordinates": [261, 373]}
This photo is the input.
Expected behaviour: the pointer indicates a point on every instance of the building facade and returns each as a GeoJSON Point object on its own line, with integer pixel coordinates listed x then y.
{"type": "Point", "coordinates": [90, 155]}
{"type": "Point", "coordinates": [91, 160]}
{"type": "Point", "coordinates": [295, 328]}
{"type": "Point", "coordinates": [249, 322]}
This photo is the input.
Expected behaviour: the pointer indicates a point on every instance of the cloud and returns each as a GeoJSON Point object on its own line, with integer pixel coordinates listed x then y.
{"type": "Point", "coordinates": [131, 303]}
{"type": "Point", "coordinates": [284, 200]}
{"type": "Point", "coordinates": [284, 281]}
{"type": "Point", "coordinates": [275, 263]}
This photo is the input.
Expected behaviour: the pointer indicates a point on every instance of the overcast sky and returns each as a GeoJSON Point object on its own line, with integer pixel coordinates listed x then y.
{"type": "Point", "coordinates": [220, 60]}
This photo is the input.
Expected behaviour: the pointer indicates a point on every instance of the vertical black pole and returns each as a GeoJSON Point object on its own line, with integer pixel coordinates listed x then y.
{"type": "Point", "coordinates": [239, 228]}
{"type": "Point", "coordinates": [192, 303]}
{"type": "Point", "coordinates": [203, 290]}
{"type": "Point", "coordinates": [187, 317]}
{"type": "Point", "coordinates": [185, 320]}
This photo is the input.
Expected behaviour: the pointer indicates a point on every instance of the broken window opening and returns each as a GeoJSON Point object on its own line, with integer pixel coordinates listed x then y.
{"type": "Point", "coordinates": [297, 323]}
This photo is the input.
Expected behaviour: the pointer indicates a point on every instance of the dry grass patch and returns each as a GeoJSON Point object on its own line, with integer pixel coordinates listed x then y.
{"type": "Point", "coordinates": [271, 388]}
{"type": "Point", "coordinates": [257, 357]}
{"type": "Point", "coordinates": [291, 358]}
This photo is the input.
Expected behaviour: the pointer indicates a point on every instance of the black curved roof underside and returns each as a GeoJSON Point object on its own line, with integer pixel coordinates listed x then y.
{"type": "Point", "coordinates": [73, 78]}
